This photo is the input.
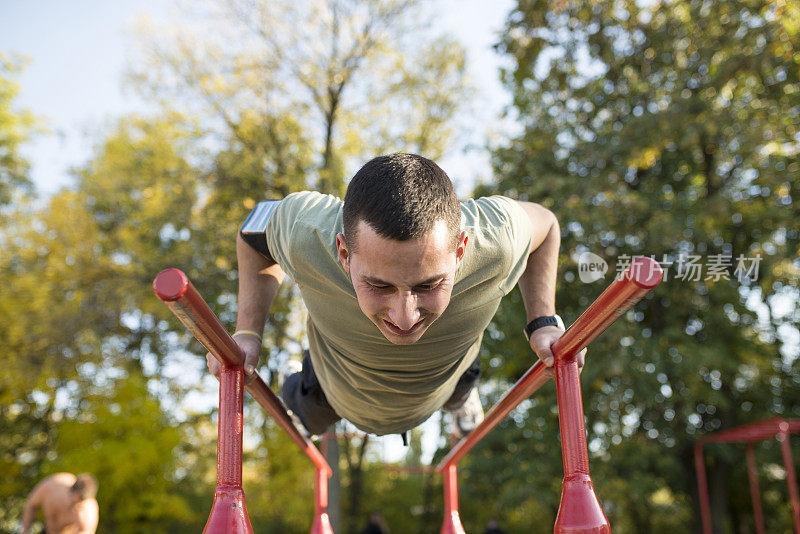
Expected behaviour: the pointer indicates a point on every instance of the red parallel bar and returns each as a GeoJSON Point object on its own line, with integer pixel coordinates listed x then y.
{"type": "Point", "coordinates": [228, 511]}
{"type": "Point", "coordinates": [755, 493]}
{"type": "Point", "coordinates": [174, 288]}
{"type": "Point", "coordinates": [452, 520]}
{"type": "Point", "coordinates": [322, 522]}
{"type": "Point", "coordinates": [791, 478]}
{"type": "Point", "coordinates": [702, 488]}
{"type": "Point", "coordinates": [640, 277]}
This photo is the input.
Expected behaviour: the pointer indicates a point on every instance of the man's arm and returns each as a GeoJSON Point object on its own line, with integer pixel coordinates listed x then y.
{"type": "Point", "coordinates": [88, 517]}
{"type": "Point", "coordinates": [538, 282]}
{"type": "Point", "coordinates": [31, 507]}
{"type": "Point", "coordinates": [259, 280]}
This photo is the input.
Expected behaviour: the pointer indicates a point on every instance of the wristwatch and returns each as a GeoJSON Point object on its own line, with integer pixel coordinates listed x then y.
{"type": "Point", "coordinates": [539, 322]}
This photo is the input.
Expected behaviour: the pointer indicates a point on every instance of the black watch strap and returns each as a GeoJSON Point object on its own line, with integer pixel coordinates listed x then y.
{"type": "Point", "coordinates": [539, 322]}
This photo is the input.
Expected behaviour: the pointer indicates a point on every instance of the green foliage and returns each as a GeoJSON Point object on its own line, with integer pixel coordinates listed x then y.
{"type": "Point", "coordinates": [91, 380]}
{"type": "Point", "coordinates": [16, 127]}
{"type": "Point", "coordinates": [664, 129]}
{"type": "Point", "coordinates": [120, 434]}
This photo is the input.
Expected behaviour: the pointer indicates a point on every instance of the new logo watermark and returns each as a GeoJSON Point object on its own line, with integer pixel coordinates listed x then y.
{"type": "Point", "coordinates": [686, 267]}
{"type": "Point", "coordinates": [591, 267]}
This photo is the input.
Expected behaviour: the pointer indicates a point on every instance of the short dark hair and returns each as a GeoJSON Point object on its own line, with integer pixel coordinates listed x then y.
{"type": "Point", "coordinates": [85, 486]}
{"type": "Point", "coordinates": [401, 196]}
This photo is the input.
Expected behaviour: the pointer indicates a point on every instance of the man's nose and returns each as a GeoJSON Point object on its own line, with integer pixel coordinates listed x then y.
{"type": "Point", "coordinates": [404, 312]}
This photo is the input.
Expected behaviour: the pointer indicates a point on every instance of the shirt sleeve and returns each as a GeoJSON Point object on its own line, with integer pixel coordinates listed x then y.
{"type": "Point", "coordinates": [516, 239]}
{"type": "Point", "coordinates": [280, 229]}
{"type": "Point", "coordinates": [287, 229]}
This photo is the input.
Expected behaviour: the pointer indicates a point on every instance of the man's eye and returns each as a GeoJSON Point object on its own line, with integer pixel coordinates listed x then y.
{"type": "Point", "coordinates": [379, 288]}
{"type": "Point", "coordinates": [428, 287]}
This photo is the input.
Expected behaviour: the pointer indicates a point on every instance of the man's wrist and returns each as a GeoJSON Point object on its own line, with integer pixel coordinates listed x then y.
{"type": "Point", "coordinates": [540, 322]}
{"type": "Point", "coordinates": [246, 332]}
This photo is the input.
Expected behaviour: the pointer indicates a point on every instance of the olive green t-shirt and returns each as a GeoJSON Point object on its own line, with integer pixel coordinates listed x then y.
{"type": "Point", "coordinates": [380, 387]}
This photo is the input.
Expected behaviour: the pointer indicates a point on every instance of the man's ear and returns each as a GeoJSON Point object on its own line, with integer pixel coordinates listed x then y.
{"type": "Point", "coordinates": [344, 254]}
{"type": "Point", "coordinates": [462, 246]}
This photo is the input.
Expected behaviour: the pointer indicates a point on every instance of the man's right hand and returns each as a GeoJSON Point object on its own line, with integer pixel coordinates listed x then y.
{"type": "Point", "coordinates": [251, 346]}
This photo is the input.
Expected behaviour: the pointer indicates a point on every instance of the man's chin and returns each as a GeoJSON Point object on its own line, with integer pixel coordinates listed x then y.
{"type": "Point", "coordinates": [402, 340]}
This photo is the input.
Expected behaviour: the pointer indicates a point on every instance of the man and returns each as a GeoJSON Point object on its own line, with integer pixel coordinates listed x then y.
{"type": "Point", "coordinates": [67, 502]}
{"type": "Point", "coordinates": [400, 281]}
{"type": "Point", "coordinates": [376, 524]}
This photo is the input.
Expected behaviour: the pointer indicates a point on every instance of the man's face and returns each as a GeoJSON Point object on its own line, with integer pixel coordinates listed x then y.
{"type": "Point", "coordinates": [403, 286]}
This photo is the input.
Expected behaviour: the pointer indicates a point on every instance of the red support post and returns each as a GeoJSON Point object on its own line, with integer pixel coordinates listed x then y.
{"type": "Point", "coordinates": [755, 493]}
{"type": "Point", "coordinates": [452, 521]}
{"type": "Point", "coordinates": [228, 512]}
{"type": "Point", "coordinates": [322, 523]}
{"type": "Point", "coordinates": [791, 477]}
{"type": "Point", "coordinates": [702, 488]}
{"type": "Point", "coordinates": [579, 510]}
{"type": "Point", "coordinates": [173, 287]}
{"type": "Point", "coordinates": [641, 276]}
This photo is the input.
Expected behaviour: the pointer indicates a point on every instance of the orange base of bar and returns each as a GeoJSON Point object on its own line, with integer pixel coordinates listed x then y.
{"type": "Point", "coordinates": [579, 511]}
{"type": "Point", "coordinates": [228, 514]}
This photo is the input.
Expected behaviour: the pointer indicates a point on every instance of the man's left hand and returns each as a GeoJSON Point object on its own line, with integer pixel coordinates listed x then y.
{"type": "Point", "coordinates": [542, 341]}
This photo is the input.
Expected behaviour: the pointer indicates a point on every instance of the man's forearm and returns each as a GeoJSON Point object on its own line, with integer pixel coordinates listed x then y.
{"type": "Point", "coordinates": [28, 516]}
{"type": "Point", "coordinates": [259, 280]}
{"type": "Point", "coordinates": [538, 282]}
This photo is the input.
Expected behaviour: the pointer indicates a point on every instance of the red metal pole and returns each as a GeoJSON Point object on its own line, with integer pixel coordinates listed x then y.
{"type": "Point", "coordinates": [641, 276]}
{"type": "Point", "coordinates": [755, 493]}
{"type": "Point", "coordinates": [176, 291]}
{"type": "Point", "coordinates": [174, 288]}
{"type": "Point", "coordinates": [702, 487]}
{"type": "Point", "coordinates": [228, 512]}
{"type": "Point", "coordinates": [531, 381]}
{"type": "Point", "coordinates": [579, 510]}
{"type": "Point", "coordinates": [791, 477]}
{"type": "Point", "coordinates": [452, 521]}
{"type": "Point", "coordinates": [322, 523]}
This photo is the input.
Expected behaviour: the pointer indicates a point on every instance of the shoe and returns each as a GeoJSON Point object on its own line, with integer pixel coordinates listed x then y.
{"type": "Point", "coordinates": [298, 424]}
{"type": "Point", "coordinates": [468, 416]}
{"type": "Point", "coordinates": [290, 368]}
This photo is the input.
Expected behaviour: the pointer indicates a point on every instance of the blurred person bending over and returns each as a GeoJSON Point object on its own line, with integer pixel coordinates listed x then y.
{"type": "Point", "coordinates": [67, 502]}
{"type": "Point", "coordinates": [400, 281]}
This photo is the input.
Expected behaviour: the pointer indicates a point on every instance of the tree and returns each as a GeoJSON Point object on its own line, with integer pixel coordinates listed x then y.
{"type": "Point", "coordinates": [666, 129]}
{"type": "Point", "coordinates": [344, 69]}
{"type": "Point", "coordinates": [326, 85]}
{"type": "Point", "coordinates": [16, 126]}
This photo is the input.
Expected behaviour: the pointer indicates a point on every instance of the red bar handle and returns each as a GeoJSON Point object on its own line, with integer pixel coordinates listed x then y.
{"type": "Point", "coordinates": [639, 278]}
{"type": "Point", "coordinates": [174, 288]}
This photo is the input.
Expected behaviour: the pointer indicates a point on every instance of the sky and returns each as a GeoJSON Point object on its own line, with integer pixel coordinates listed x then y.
{"type": "Point", "coordinates": [78, 52]}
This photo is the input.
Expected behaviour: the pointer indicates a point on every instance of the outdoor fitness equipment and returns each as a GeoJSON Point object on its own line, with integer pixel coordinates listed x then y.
{"type": "Point", "coordinates": [579, 511]}
{"type": "Point", "coordinates": [774, 427]}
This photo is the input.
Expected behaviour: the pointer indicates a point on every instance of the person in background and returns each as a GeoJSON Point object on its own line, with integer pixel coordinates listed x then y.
{"type": "Point", "coordinates": [493, 527]}
{"type": "Point", "coordinates": [376, 524]}
{"type": "Point", "coordinates": [67, 502]}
